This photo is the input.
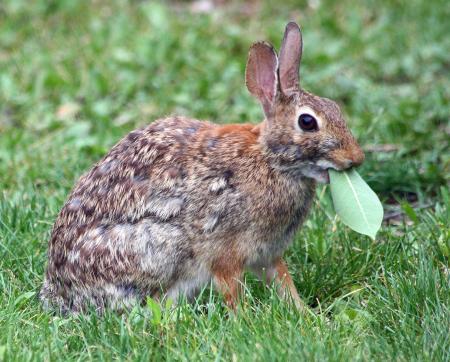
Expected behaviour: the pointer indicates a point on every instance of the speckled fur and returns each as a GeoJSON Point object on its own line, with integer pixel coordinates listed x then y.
{"type": "Point", "coordinates": [182, 202]}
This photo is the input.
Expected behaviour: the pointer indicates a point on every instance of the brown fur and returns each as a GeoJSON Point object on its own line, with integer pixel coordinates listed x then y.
{"type": "Point", "coordinates": [182, 202]}
{"type": "Point", "coordinates": [286, 288]}
{"type": "Point", "coordinates": [227, 270]}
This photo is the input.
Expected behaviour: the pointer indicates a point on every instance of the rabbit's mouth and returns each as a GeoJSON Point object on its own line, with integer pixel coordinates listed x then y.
{"type": "Point", "coordinates": [316, 172]}
{"type": "Point", "coordinates": [323, 176]}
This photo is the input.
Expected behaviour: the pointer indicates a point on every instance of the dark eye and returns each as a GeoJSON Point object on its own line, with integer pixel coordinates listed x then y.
{"type": "Point", "coordinates": [307, 122]}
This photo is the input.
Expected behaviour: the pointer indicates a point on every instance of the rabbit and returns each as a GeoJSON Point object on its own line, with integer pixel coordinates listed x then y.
{"type": "Point", "coordinates": [182, 203]}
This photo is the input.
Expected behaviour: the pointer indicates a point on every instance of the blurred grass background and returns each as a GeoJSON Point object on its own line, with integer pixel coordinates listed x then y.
{"type": "Point", "coordinates": [76, 76]}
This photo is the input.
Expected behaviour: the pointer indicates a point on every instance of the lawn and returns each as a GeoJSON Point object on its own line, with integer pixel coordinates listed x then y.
{"type": "Point", "coordinates": [76, 76]}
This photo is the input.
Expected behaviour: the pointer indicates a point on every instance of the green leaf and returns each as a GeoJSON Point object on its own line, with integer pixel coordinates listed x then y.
{"type": "Point", "coordinates": [355, 202]}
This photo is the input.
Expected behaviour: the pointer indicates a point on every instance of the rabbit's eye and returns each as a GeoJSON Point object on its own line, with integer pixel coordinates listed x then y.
{"type": "Point", "coordinates": [307, 122]}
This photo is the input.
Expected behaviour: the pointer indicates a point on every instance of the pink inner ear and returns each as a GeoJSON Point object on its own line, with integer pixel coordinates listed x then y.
{"type": "Point", "coordinates": [261, 74]}
{"type": "Point", "coordinates": [268, 84]}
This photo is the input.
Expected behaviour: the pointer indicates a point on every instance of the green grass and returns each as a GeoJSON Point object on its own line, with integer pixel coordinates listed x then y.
{"type": "Point", "coordinates": [75, 78]}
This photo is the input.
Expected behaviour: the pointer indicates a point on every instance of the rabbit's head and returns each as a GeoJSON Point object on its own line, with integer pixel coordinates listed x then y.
{"type": "Point", "coordinates": [303, 134]}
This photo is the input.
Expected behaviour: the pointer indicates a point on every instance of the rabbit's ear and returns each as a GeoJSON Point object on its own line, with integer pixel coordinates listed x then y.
{"type": "Point", "coordinates": [290, 55]}
{"type": "Point", "coordinates": [261, 75]}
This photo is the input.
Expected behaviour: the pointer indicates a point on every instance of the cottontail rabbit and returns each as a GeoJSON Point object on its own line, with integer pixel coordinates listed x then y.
{"type": "Point", "coordinates": [182, 202]}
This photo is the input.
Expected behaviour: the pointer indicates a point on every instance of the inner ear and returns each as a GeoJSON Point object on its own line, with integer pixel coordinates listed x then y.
{"type": "Point", "coordinates": [290, 56]}
{"type": "Point", "coordinates": [261, 75]}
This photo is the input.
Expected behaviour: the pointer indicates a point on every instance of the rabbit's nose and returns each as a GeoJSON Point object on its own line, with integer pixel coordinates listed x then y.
{"type": "Point", "coordinates": [357, 158]}
{"type": "Point", "coordinates": [346, 158]}
{"type": "Point", "coordinates": [347, 163]}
